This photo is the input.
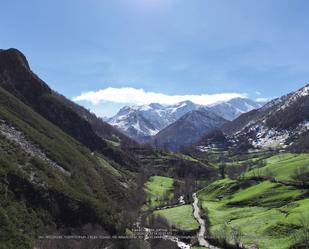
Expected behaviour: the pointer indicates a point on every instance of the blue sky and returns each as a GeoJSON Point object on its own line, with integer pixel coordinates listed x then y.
{"type": "Point", "coordinates": [170, 47]}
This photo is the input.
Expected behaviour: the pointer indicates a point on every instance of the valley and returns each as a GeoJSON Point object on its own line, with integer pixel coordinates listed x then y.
{"type": "Point", "coordinates": [238, 181]}
{"type": "Point", "coordinates": [265, 209]}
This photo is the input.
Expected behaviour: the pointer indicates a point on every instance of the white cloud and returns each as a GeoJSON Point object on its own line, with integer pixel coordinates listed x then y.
{"type": "Point", "coordinates": [129, 95]}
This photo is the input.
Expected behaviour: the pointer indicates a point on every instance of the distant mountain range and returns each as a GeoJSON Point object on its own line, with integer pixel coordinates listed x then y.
{"type": "Point", "coordinates": [187, 129]}
{"type": "Point", "coordinates": [282, 123]}
{"type": "Point", "coordinates": [144, 122]}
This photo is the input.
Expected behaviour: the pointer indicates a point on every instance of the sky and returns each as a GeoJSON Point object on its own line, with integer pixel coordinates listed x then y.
{"type": "Point", "coordinates": [108, 53]}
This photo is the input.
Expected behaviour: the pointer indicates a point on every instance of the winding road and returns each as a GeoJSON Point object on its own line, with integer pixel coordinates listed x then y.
{"type": "Point", "coordinates": [201, 234]}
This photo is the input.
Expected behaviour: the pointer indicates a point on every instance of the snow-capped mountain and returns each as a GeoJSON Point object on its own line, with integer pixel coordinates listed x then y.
{"type": "Point", "coordinates": [188, 129]}
{"type": "Point", "coordinates": [235, 107]}
{"type": "Point", "coordinates": [281, 123]}
{"type": "Point", "coordinates": [144, 121]}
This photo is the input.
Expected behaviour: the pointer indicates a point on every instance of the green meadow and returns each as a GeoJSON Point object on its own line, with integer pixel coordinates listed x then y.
{"type": "Point", "coordinates": [159, 189]}
{"type": "Point", "coordinates": [180, 217]}
{"type": "Point", "coordinates": [282, 166]}
{"type": "Point", "coordinates": [267, 214]}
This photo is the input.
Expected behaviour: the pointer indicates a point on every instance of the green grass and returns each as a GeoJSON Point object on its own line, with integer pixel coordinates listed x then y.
{"type": "Point", "coordinates": [267, 213]}
{"type": "Point", "coordinates": [185, 157]}
{"type": "Point", "coordinates": [282, 166]}
{"type": "Point", "coordinates": [266, 194]}
{"type": "Point", "coordinates": [158, 191]}
{"type": "Point", "coordinates": [95, 184]}
{"type": "Point", "coordinates": [113, 143]}
{"type": "Point", "coordinates": [107, 166]}
{"type": "Point", "coordinates": [180, 217]}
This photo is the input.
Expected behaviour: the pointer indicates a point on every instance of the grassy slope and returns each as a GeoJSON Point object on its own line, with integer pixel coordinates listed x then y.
{"type": "Point", "coordinates": [157, 189]}
{"type": "Point", "coordinates": [282, 165]}
{"type": "Point", "coordinates": [180, 217]}
{"type": "Point", "coordinates": [266, 213]}
{"type": "Point", "coordinates": [90, 185]}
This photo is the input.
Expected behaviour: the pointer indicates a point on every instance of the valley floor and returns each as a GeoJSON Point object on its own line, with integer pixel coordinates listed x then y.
{"type": "Point", "coordinates": [265, 208]}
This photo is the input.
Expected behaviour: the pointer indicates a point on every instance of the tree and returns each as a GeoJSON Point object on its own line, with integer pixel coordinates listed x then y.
{"type": "Point", "coordinates": [301, 175]}
{"type": "Point", "coordinates": [222, 168]}
{"type": "Point", "coordinates": [301, 238]}
{"type": "Point", "coordinates": [269, 173]}
{"type": "Point", "coordinates": [304, 222]}
{"type": "Point", "coordinates": [236, 236]}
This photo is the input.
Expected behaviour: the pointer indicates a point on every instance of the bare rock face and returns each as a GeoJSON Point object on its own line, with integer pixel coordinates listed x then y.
{"type": "Point", "coordinates": [16, 136]}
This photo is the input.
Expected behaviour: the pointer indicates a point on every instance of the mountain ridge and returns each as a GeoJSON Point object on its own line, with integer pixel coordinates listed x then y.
{"type": "Point", "coordinates": [143, 122]}
{"type": "Point", "coordinates": [281, 123]}
{"type": "Point", "coordinates": [187, 129]}
{"type": "Point", "coordinates": [17, 78]}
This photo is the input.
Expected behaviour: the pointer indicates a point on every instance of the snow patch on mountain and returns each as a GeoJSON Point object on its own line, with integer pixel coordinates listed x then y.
{"type": "Point", "coordinates": [268, 138]}
{"type": "Point", "coordinates": [143, 121]}
{"type": "Point", "coordinates": [295, 96]}
{"type": "Point", "coordinates": [235, 107]}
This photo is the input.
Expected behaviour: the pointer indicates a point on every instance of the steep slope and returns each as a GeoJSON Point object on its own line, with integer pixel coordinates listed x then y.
{"type": "Point", "coordinates": [188, 129]}
{"type": "Point", "coordinates": [102, 129]}
{"type": "Point", "coordinates": [17, 78]}
{"type": "Point", "coordinates": [281, 123]}
{"type": "Point", "coordinates": [51, 183]}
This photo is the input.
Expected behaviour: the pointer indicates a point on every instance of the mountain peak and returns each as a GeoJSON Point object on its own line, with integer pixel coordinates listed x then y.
{"type": "Point", "coordinates": [233, 108]}
{"type": "Point", "coordinates": [188, 129]}
{"type": "Point", "coordinates": [17, 77]}
{"type": "Point", "coordinates": [304, 90]}
{"type": "Point", "coordinates": [184, 103]}
{"type": "Point", "coordinates": [142, 121]}
{"type": "Point", "coordinates": [281, 123]}
{"type": "Point", "coordinates": [156, 105]}
{"type": "Point", "coordinates": [13, 57]}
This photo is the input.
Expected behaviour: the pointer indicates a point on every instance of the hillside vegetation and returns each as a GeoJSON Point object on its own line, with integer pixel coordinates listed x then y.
{"type": "Point", "coordinates": [39, 198]}
{"type": "Point", "coordinates": [180, 217]}
{"type": "Point", "coordinates": [158, 191]}
{"type": "Point", "coordinates": [268, 214]}
{"type": "Point", "coordinates": [282, 166]}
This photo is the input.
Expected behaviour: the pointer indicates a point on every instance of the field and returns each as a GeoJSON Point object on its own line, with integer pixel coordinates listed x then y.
{"type": "Point", "coordinates": [282, 166]}
{"type": "Point", "coordinates": [158, 191]}
{"type": "Point", "coordinates": [267, 214]}
{"type": "Point", "coordinates": [180, 217]}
